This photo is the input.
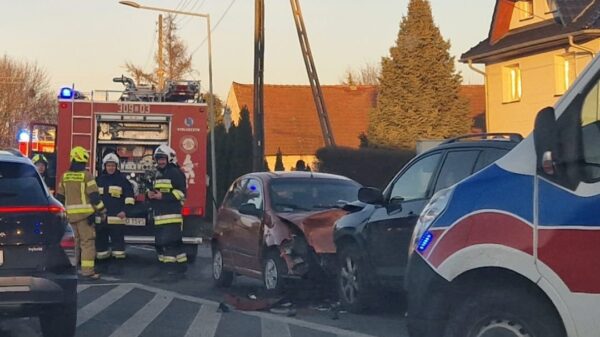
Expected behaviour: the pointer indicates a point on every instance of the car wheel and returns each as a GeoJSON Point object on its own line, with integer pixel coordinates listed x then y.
{"type": "Point", "coordinates": [222, 278]}
{"type": "Point", "coordinates": [508, 312]}
{"type": "Point", "coordinates": [192, 252]}
{"type": "Point", "coordinates": [353, 289]}
{"type": "Point", "coordinates": [274, 272]}
{"type": "Point", "coordinates": [59, 320]}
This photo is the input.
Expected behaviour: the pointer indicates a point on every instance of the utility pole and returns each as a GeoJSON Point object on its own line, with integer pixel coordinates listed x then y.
{"type": "Point", "coordinates": [259, 58]}
{"type": "Point", "coordinates": [311, 69]}
{"type": "Point", "coordinates": [161, 71]}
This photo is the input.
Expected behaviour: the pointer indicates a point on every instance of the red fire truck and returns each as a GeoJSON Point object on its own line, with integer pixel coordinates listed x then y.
{"type": "Point", "coordinates": [133, 126]}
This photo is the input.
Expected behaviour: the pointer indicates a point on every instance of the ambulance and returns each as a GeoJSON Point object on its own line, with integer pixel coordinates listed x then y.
{"type": "Point", "coordinates": [514, 250]}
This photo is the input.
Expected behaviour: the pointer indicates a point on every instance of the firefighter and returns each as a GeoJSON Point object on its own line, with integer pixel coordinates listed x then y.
{"type": "Point", "coordinates": [78, 191]}
{"type": "Point", "coordinates": [41, 164]}
{"type": "Point", "coordinates": [117, 195]}
{"type": "Point", "coordinates": [166, 199]}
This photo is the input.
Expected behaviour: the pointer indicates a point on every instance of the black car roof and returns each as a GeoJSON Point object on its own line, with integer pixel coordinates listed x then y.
{"type": "Point", "coordinates": [8, 156]}
{"type": "Point", "coordinates": [482, 143]}
{"type": "Point", "coordinates": [297, 174]}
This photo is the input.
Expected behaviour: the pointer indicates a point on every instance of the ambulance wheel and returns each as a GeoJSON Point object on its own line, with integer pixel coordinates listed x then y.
{"type": "Point", "coordinates": [503, 311]}
{"type": "Point", "coordinates": [192, 252]}
{"type": "Point", "coordinates": [222, 278]}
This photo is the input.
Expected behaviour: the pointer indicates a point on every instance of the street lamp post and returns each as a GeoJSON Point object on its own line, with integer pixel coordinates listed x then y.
{"type": "Point", "coordinates": [211, 102]}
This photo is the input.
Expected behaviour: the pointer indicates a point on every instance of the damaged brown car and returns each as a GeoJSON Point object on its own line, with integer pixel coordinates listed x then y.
{"type": "Point", "coordinates": [279, 225]}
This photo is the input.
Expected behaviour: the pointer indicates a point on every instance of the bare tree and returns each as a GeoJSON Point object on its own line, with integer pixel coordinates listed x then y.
{"type": "Point", "coordinates": [175, 60]}
{"type": "Point", "coordinates": [25, 96]}
{"type": "Point", "coordinates": [366, 75]}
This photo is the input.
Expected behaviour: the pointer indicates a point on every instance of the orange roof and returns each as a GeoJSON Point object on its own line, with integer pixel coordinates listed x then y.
{"type": "Point", "coordinates": [292, 124]}
{"type": "Point", "coordinates": [291, 121]}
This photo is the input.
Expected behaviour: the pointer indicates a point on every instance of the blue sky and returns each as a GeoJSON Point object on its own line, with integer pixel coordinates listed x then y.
{"type": "Point", "coordinates": [87, 42]}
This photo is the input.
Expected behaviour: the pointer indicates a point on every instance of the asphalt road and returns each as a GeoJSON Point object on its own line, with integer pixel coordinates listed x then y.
{"type": "Point", "coordinates": [132, 305]}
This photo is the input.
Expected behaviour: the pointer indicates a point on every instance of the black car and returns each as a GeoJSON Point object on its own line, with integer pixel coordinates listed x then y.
{"type": "Point", "coordinates": [372, 240]}
{"type": "Point", "coordinates": [37, 271]}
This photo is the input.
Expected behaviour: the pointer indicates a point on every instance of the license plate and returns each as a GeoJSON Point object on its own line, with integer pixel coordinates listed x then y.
{"type": "Point", "coordinates": [135, 222]}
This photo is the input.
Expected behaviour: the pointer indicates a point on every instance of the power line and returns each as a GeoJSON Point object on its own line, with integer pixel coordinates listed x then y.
{"type": "Point", "coordinates": [185, 21]}
{"type": "Point", "coordinates": [214, 27]}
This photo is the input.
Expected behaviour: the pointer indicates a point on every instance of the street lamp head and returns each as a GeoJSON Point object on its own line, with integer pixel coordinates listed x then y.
{"type": "Point", "coordinates": [130, 4]}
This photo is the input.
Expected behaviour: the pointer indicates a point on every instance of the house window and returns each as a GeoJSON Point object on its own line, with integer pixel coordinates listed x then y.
{"type": "Point", "coordinates": [511, 83]}
{"type": "Point", "coordinates": [565, 73]}
{"type": "Point", "coordinates": [525, 8]}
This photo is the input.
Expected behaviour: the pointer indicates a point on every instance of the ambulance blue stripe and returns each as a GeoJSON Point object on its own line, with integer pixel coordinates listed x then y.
{"type": "Point", "coordinates": [509, 192]}
{"type": "Point", "coordinates": [559, 207]}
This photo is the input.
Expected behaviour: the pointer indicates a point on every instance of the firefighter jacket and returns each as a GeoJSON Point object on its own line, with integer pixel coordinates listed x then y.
{"type": "Point", "coordinates": [117, 195]}
{"type": "Point", "coordinates": [78, 191]}
{"type": "Point", "coordinates": [171, 182]}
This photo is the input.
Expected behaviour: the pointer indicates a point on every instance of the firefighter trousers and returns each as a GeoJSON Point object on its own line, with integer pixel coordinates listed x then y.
{"type": "Point", "coordinates": [169, 247]}
{"type": "Point", "coordinates": [85, 236]}
{"type": "Point", "coordinates": [110, 240]}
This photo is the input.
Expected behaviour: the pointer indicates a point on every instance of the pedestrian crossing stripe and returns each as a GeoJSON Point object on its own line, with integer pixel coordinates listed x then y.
{"type": "Point", "coordinates": [206, 320]}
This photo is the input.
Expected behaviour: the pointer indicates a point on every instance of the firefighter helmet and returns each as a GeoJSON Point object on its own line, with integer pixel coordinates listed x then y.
{"type": "Point", "coordinates": [166, 152]}
{"type": "Point", "coordinates": [79, 155]}
{"type": "Point", "coordinates": [39, 158]}
{"type": "Point", "coordinates": [110, 158]}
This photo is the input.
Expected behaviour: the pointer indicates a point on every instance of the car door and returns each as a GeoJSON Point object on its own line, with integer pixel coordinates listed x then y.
{"type": "Point", "coordinates": [226, 218]}
{"type": "Point", "coordinates": [389, 229]}
{"type": "Point", "coordinates": [248, 227]}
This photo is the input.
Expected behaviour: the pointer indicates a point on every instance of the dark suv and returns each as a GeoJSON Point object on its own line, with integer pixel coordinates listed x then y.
{"type": "Point", "coordinates": [372, 240]}
{"type": "Point", "coordinates": [37, 276]}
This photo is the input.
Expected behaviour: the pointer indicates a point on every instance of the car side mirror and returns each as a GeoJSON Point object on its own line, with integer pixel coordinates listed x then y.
{"type": "Point", "coordinates": [545, 134]}
{"type": "Point", "coordinates": [250, 209]}
{"type": "Point", "coordinates": [370, 195]}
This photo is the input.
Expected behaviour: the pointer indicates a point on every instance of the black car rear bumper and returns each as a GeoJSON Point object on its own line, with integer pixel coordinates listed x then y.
{"type": "Point", "coordinates": [23, 291]}
{"type": "Point", "coordinates": [428, 299]}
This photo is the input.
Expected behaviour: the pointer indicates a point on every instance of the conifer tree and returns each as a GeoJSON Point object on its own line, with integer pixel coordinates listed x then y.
{"type": "Point", "coordinates": [419, 86]}
{"type": "Point", "coordinates": [241, 158]}
{"type": "Point", "coordinates": [279, 161]}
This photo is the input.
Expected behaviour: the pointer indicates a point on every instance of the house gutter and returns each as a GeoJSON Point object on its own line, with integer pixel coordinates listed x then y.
{"type": "Point", "coordinates": [580, 47]}
{"type": "Point", "coordinates": [518, 49]}
{"type": "Point", "coordinates": [485, 86]}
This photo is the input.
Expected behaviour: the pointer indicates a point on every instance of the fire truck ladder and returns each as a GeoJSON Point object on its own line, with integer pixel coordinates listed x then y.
{"type": "Point", "coordinates": [312, 74]}
{"type": "Point", "coordinates": [81, 129]}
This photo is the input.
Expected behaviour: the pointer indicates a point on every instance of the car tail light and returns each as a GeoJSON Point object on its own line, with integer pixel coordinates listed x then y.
{"type": "Point", "coordinates": [187, 211]}
{"type": "Point", "coordinates": [32, 209]}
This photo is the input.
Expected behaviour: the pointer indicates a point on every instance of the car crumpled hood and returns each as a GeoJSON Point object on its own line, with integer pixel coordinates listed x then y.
{"type": "Point", "coordinates": [316, 226]}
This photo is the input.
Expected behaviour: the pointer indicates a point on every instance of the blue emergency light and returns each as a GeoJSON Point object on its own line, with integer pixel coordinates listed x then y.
{"type": "Point", "coordinates": [424, 242]}
{"type": "Point", "coordinates": [66, 93]}
{"type": "Point", "coordinates": [23, 136]}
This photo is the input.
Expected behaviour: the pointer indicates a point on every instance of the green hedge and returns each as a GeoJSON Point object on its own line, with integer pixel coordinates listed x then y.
{"type": "Point", "coordinates": [368, 166]}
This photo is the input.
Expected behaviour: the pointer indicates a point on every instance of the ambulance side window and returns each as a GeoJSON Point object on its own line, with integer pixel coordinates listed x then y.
{"type": "Point", "coordinates": [590, 134]}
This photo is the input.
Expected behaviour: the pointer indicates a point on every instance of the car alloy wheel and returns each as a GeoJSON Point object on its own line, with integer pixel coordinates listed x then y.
{"type": "Point", "coordinates": [271, 275]}
{"type": "Point", "coordinates": [217, 264]}
{"type": "Point", "coordinates": [349, 280]}
{"type": "Point", "coordinates": [502, 328]}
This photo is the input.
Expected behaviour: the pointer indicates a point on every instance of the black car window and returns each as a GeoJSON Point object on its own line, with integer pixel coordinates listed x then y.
{"type": "Point", "coordinates": [457, 166]}
{"type": "Point", "coordinates": [235, 195]}
{"type": "Point", "coordinates": [20, 185]}
{"type": "Point", "coordinates": [251, 193]}
{"type": "Point", "coordinates": [414, 182]}
{"type": "Point", "coordinates": [489, 156]}
{"type": "Point", "coordinates": [310, 194]}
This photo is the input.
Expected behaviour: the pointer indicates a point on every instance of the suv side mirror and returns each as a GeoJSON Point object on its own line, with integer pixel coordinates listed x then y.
{"type": "Point", "coordinates": [250, 209]}
{"type": "Point", "coordinates": [370, 195]}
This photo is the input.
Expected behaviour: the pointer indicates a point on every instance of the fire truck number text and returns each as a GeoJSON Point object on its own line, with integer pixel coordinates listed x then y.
{"type": "Point", "coordinates": [134, 108]}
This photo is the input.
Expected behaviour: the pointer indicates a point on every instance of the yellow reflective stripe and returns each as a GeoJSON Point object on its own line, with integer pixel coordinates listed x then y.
{"type": "Point", "coordinates": [118, 254]}
{"type": "Point", "coordinates": [99, 206]}
{"type": "Point", "coordinates": [91, 183]}
{"type": "Point", "coordinates": [87, 263]}
{"type": "Point", "coordinates": [163, 181]}
{"type": "Point", "coordinates": [102, 255]}
{"type": "Point", "coordinates": [168, 219]}
{"type": "Point", "coordinates": [83, 194]}
{"type": "Point", "coordinates": [161, 257]}
{"type": "Point", "coordinates": [74, 176]}
{"type": "Point", "coordinates": [178, 194]}
{"type": "Point", "coordinates": [129, 201]}
{"type": "Point", "coordinates": [163, 186]}
{"type": "Point", "coordinates": [101, 190]}
{"type": "Point", "coordinates": [115, 220]}
{"type": "Point", "coordinates": [79, 209]}
{"type": "Point", "coordinates": [169, 259]}
{"type": "Point", "coordinates": [181, 258]}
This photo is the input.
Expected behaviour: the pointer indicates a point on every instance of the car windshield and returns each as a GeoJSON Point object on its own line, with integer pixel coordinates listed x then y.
{"type": "Point", "coordinates": [20, 185]}
{"type": "Point", "coordinates": [311, 194]}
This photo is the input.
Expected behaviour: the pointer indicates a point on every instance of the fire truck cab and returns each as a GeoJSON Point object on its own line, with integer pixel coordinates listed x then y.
{"type": "Point", "coordinates": [133, 125]}
{"type": "Point", "coordinates": [514, 250]}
